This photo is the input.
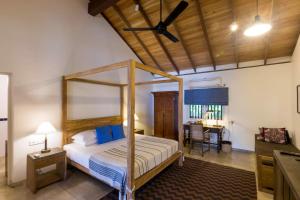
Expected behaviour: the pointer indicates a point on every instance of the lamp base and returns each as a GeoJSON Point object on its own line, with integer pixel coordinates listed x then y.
{"type": "Point", "coordinates": [45, 150]}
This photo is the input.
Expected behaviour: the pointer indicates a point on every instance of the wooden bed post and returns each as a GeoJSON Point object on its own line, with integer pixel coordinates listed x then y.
{"type": "Point", "coordinates": [122, 102]}
{"type": "Point", "coordinates": [64, 108]}
{"type": "Point", "coordinates": [180, 126]}
{"type": "Point", "coordinates": [131, 137]}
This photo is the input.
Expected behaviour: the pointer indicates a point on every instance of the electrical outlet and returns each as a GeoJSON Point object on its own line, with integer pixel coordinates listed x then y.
{"type": "Point", "coordinates": [36, 142]}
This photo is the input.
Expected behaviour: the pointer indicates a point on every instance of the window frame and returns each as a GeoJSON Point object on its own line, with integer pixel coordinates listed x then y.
{"type": "Point", "coordinates": [199, 112]}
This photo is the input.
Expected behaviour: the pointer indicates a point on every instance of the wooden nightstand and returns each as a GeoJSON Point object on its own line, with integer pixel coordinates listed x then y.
{"type": "Point", "coordinates": [36, 179]}
{"type": "Point", "coordinates": [139, 131]}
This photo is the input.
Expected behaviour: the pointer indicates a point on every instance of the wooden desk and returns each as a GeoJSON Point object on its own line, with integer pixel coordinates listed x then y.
{"type": "Point", "coordinates": [213, 129]}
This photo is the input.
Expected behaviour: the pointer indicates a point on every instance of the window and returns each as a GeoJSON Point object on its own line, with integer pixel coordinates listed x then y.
{"type": "Point", "coordinates": [214, 112]}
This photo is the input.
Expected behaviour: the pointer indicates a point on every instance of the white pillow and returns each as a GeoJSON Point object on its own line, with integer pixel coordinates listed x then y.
{"type": "Point", "coordinates": [86, 142]}
{"type": "Point", "coordinates": [85, 136]}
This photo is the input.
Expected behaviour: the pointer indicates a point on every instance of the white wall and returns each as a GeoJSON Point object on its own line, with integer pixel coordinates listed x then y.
{"type": "Point", "coordinates": [257, 97]}
{"type": "Point", "coordinates": [3, 112]}
{"type": "Point", "coordinates": [40, 42]}
{"type": "Point", "coordinates": [296, 81]}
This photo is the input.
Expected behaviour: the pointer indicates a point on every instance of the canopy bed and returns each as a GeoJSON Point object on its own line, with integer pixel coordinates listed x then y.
{"type": "Point", "coordinates": [169, 151]}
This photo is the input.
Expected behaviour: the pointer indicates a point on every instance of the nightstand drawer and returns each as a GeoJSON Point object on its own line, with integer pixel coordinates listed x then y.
{"type": "Point", "coordinates": [43, 162]}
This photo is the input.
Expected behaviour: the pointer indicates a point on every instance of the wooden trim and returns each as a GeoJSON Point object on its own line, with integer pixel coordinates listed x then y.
{"type": "Point", "coordinates": [180, 121]}
{"type": "Point", "coordinates": [99, 69]}
{"type": "Point", "coordinates": [98, 6]}
{"type": "Point", "coordinates": [95, 82]}
{"type": "Point", "coordinates": [123, 38]}
{"type": "Point", "coordinates": [149, 23]}
{"type": "Point", "coordinates": [268, 36]}
{"type": "Point", "coordinates": [71, 127]}
{"type": "Point", "coordinates": [221, 70]}
{"type": "Point", "coordinates": [235, 35]}
{"type": "Point", "coordinates": [64, 109]}
{"type": "Point", "coordinates": [131, 136]}
{"type": "Point", "coordinates": [153, 82]}
{"type": "Point", "coordinates": [122, 103]}
{"type": "Point", "coordinates": [298, 107]}
{"type": "Point", "coordinates": [6, 159]}
{"type": "Point", "coordinates": [78, 166]}
{"type": "Point", "coordinates": [184, 46]}
{"type": "Point", "coordinates": [155, 71]}
{"type": "Point", "coordinates": [203, 25]}
{"type": "Point", "coordinates": [124, 19]}
{"type": "Point", "coordinates": [150, 174]}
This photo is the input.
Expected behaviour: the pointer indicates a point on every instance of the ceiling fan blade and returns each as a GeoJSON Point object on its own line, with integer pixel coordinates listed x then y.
{"type": "Point", "coordinates": [170, 36]}
{"type": "Point", "coordinates": [176, 12]}
{"type": "Point", "coordinates": [140, 29]}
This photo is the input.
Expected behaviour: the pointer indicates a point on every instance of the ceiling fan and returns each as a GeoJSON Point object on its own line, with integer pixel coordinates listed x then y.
{"type": "Point", "coordinates": [161, 27]}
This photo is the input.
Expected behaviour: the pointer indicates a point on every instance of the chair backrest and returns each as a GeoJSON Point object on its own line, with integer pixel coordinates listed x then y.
{"type": "Point", "coordinates": [197, 131]}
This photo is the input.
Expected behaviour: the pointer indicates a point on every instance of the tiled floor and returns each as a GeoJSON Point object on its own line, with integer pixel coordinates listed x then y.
{"type": "Point", "coordinates": [82, 187]}
{"type": "Point", "coordinates": [78, 186]}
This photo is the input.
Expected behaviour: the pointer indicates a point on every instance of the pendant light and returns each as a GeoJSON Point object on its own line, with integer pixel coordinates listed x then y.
{"type": "Point", "coordinates": [258, 27]}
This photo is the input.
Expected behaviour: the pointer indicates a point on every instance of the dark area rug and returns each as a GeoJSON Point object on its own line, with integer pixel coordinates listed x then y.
{"type": "Point", "coordinates": [197, 180]}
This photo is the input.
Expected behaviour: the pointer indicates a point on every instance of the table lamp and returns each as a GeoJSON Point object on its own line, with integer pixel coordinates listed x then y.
{"type": "Point", "coordinates": [45, 129]}
{"type": "Point", "coordinates": [206, 115]}
{"type": "Point", "coordinates": [136, 118]}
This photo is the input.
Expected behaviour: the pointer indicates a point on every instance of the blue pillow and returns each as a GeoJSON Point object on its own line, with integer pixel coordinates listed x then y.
{"type": "Point", "coordinates": [103, 134]}
{"type": "Point", "coordinates": [117, 132]}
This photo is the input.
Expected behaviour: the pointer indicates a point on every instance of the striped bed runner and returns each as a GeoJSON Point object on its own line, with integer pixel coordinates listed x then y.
{"type": "Point", "coordinates": [110, 165]}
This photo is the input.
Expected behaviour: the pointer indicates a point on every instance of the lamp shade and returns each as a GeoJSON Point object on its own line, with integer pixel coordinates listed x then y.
{"type": "Point", "coordinates": [45, 128]}
{"type": "Point", "coordinates": [136, 118]}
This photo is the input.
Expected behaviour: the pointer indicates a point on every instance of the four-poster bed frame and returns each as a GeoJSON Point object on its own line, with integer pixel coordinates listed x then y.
{"type": "Point", "coordinates": [71, 127]}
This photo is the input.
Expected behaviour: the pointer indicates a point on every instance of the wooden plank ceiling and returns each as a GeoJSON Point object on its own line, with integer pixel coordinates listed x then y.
{"type": "Point", "coordinates": [203, 31]}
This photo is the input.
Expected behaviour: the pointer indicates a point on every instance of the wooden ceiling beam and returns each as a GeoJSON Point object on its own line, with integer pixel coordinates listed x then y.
{"type": "Point", "coordinates": [98, 6]}
{"type": "Point", "coordinates": [124, 19]}
{"type": "Point", "coordinates": [149, 23]}
{"type": "Point", "coordinates": [268, 36]}
{"type": "Point", "coordinates": [203, 25]}
{"type": "Point", "coordinates": [234, 36]}
{"type": "Point", "coordinates": [123, 38]}
{"type": "Point", "coordinates": [184, 46]}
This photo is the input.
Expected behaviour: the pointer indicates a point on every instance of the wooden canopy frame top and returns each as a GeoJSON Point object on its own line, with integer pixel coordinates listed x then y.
{"type": "Point", "coordinates": [71, 127]}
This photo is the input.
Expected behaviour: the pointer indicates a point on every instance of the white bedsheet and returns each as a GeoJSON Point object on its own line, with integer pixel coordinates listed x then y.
{"type": "Point", "coordinates": [108, 162]}
{"type": "Point", "coordinates": [81, 154]}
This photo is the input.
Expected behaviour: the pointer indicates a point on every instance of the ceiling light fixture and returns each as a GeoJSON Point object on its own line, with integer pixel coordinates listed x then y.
{"type": "Point", "coordinates": [258, 27]}
{"type": "Point", "coordinates": [234, 26]}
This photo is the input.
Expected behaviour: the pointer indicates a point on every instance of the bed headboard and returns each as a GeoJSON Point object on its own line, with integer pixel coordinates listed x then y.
{"type": "Point", "coordinates": [72, 127]}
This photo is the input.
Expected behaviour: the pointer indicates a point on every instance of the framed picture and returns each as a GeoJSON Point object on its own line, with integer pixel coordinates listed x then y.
{"type": "Point", "coordinates": [298, 98]}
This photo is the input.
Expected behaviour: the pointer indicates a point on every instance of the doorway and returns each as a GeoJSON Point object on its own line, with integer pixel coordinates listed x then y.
{"type": "Point", "coordinates": [4, 99]}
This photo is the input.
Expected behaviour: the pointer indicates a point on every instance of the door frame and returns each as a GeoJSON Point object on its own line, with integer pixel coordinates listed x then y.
{"type": "Point", "coordinates": [9, 128]}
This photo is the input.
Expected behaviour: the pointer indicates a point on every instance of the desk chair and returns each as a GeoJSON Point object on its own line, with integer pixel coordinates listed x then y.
{"type": "Point", "coordinates": [199, 136]}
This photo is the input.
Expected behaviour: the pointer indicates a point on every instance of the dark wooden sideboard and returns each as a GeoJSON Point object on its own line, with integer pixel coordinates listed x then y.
{"type": "Point", "coordinates": [287, 176]}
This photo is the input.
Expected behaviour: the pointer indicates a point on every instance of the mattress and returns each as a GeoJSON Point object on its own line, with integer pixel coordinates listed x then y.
{"type": "Point", "coordinates": [108, 162]}
{"type": "Point", "coordinates": [81, 154]}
